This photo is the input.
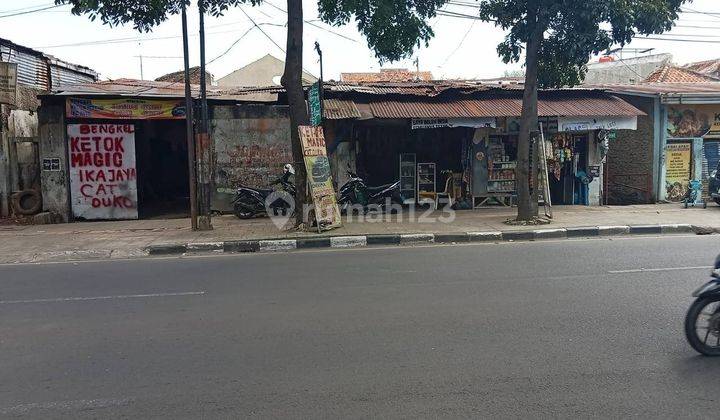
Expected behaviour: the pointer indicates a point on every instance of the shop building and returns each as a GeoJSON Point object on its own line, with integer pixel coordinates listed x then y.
{"type": "Point", "coordinates": [436, 137]}
{"type": "Point", "coordinates": [676, 142]}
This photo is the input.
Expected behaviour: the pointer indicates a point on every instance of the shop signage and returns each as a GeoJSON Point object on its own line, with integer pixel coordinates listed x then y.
{"type": "Point", "coordinates": [8, 83]}
{"type": "Point", "coordinates": [315, 104]}
{"type": "Point", "coordinates": [51, 164]}
{"type": "Point", "coordinates": [678, 159]}
{"type": "Point", "coordinates": [596, 123]}
{"type": "Point", "coordinates": [420, 123]}
{"type": "Point", "coordinates": [125, 109]}
{"type": "Point", "coordinates": [319, 178]}
{"type": "Point", "coordinates": [103, 176]}
{"type": "Point", "coordinates": [688, 121]}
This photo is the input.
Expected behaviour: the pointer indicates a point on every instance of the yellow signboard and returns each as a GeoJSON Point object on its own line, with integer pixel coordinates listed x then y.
{"type": "Point", "coordinates": [125, 109]}
{"type": "Point", "coordinates": [678, 159]}
{"type": "Point", "coordinates": [319, 179]}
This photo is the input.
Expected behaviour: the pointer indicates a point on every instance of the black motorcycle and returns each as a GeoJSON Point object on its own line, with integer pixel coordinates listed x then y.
{"type": "Point", "coordinates": [702, 322]}
{"type": "Point", "coordinates": [253, 202]}
{"type": "Point", "coordinates": [355, 193]}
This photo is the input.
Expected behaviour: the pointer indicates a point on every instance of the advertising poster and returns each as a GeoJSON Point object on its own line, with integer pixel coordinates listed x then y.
{"type": "Point", "coordinates": [693, 121]}
{"type": "Point", "coordinates": [103, 176]}
{"type": "Point", "coordinates": [8, 83]}
{"type": "Point", "coordinates": [317, 166]}
{"type": "Point", "coordinates": [678, 159]}
{"type": "Point", "coordinates": [135, 109]}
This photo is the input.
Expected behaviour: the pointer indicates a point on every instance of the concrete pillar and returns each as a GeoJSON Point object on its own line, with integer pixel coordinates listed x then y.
{"type": "Point", "coordinates": [53, 144]}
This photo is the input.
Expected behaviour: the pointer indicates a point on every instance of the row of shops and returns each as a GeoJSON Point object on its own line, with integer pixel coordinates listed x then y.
{"type": "Point", "coordinates": [117, 150]}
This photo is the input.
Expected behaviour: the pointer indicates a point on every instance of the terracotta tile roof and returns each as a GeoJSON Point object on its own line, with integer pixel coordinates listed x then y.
{"type": "Point", "coordinates": [674, 74]}
{"type": "Point", "coordinates": [710, 67]}
{"type": "Point", "coordinates": [387, 75]}
{"type": "Point", "coordinates": [179, 77]}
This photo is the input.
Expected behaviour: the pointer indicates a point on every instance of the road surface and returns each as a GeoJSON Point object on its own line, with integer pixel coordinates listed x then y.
{"type": "Point", "coordinates": [572, 328]}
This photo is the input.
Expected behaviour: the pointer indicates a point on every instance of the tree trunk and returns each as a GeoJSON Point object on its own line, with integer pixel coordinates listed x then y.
{"type": "Point", "coordinates": [292, 81]}
{"type": "Point", "coordinates": [527, 210]}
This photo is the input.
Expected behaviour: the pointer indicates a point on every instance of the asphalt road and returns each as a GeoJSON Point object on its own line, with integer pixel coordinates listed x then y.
{"type": "Point", "coordinates": [570, 329]}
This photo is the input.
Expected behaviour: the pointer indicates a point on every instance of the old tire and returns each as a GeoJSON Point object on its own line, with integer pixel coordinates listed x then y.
{"type": "Point", "coordinates": [26, 202]}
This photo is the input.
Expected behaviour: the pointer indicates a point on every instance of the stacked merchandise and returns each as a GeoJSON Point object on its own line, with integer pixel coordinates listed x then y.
{"type": "Point", "coordinates": [501, 170]}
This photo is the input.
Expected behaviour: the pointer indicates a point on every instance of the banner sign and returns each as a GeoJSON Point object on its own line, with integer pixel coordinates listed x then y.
{"type": "Point", "coordinates": [688, 121]}
{"type": "Point", "coordinates": [678, 159]}
{"type": "Point", "coordinates": [319, 179]}
{"type": "Point", "coordinates": [315, 107]}
{"type": "Point", "coordinates": [420, 123]}
{"type": "Point", "coordinates": [596, 123]}
{"type": "Point", "coordinates": [125, 109]}
{"type": "Point", "coordinates": [8, 83]}
{"type": "Point", "coordinates": [103, 176]}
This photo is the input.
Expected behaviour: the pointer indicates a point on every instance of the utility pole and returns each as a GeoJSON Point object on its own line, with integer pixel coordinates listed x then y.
{"type": "Point", "coordinates": [320, 83]}
{"type": "Point", "coordinates": [142, 76]}
{"type": "Point", "coordinates": [204, 143]}
{"type": "Point", "coordinates": [189, 126]}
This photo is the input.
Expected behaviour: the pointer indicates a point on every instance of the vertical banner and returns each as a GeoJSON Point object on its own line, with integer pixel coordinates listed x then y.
{"type": "Point", "coordinates": [314, 102]}
{"type": "Point", "coordinates": [317, 166]}
{"type": "Point", "coordinates": [103, 176]}
{"type": "Point", "coordinates": [678, 159]}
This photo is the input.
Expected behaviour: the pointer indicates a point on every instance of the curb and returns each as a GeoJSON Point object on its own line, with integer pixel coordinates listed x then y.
{"type": "Point", "coordinates": [362, 241]}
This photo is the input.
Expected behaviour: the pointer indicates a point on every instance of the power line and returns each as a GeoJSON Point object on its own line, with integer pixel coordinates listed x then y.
{"type": "Point", "coordinates": [263, 32]}
{"type": "Point", "coordinates": [25, 8]}
{"type": "Point", "coordinates": [310, 22]}
{"type": "Point", "coordinates": [472, 24]}
{"type": "Point", "coordinates": [233, 44]}
{"type": "Point", "coordinates": [680, 40]}
{"type": "Point", "coordinates": [701, 12]}
{"type": "Point", "coordinates": [27, 12]}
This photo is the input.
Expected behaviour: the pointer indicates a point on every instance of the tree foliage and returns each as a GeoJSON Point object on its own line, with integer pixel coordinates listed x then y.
{"type": "Point", "coordinates": [393, 28]}
{"type": "Point", "coordinates": [143, 14]}
{"type": "Point", "coordinates": [572, 30]}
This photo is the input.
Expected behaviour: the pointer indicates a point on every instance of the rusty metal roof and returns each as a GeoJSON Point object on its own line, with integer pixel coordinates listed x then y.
{"type": "Point", "coordinates": [337, 109]}
{"type": "Point", "coordinates": [578, 105]}
{"type": "Point", "coordinates": [708, 88]}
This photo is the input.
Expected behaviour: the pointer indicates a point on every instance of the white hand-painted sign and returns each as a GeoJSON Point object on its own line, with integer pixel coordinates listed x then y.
{"type": "Point", "coordinates": [596, 123]}
{"type": "Point", "coordinates": [103, 176]}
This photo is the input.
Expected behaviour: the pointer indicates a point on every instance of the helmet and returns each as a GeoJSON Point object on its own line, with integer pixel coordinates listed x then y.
{"type": "Point", "coordinates": [289, 168]}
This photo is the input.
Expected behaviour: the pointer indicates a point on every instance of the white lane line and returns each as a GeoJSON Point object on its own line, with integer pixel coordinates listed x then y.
{"type": "Point", "coordinates": [76, 299]}
{"type": "Point", "coordinates": [650, 270]}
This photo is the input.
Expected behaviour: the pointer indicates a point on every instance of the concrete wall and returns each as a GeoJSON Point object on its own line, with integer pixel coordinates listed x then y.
{"type": "Point", "coordinates": [252, 144]}
{"type": "Point", "coordinates": [630, 159]}
{"type": "Point", "coordinates": [18, 167]}
{"type": "Point", "coordinates": [53, 144]}
{"type": "Point", "coordinates": [631, 70]}
{"type": "Point", "coordinates": [263, 72]}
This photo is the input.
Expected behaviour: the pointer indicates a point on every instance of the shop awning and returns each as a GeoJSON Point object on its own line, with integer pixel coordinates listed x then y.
{"type": "Point", "coordinates": [597, 105]}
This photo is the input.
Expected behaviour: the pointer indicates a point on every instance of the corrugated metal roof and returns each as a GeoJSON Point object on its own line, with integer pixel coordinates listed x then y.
{"type": "Point", "coordinates": [337, 109]}
{"type": "Point", "coordinates": [709, 88]}
{"type": "Point", "coordinates": [595, 105]}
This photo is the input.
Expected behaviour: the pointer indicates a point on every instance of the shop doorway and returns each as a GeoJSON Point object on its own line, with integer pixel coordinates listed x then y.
{"type": "Point", "coordinates": [568, 169]}
{"type": "Point", "coordinates": [162, 166]}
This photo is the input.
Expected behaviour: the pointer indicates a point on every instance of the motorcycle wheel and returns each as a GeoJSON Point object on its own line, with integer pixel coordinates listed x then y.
{"type": "Point", "coordinates": [243, 213]}
{"type": "Point", "coordinates": [705, 338]}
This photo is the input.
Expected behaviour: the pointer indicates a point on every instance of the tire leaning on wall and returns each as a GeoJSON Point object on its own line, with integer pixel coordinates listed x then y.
{"type": "Point", "coordinates": [26, 202]}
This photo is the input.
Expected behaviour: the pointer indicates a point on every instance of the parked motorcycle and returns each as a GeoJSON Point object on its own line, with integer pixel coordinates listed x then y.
{"type": "Point", "coordinates": [702, 322]}
{"type": "Point", "coordinates": [356, 193]}
{"type": "Point", "coordinates": [252, 202]}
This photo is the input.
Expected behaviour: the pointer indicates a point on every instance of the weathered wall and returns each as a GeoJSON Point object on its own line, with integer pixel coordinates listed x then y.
{"type": "Point", "coordinates": [630, 159]}
{"type": "Point", "coordinates": [630, 70]}
{"type": "Point", "coordinates": [53, 145]}
{"type": "Point", "coordinates": [18, 165]}
{"type": "Point", "coordinates": [252, 144]}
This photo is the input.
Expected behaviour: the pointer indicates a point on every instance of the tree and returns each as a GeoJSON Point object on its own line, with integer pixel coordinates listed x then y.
{"type": "Point", "coordinates": [558, 37]}
{"type": "Point", "coordinates": [393, 30]}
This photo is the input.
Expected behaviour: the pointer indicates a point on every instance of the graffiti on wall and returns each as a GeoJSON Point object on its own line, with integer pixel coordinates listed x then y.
{"type": "Point", "coordinates": [103, 175]}
{"type": "Point", "coordinates": [256, 165]}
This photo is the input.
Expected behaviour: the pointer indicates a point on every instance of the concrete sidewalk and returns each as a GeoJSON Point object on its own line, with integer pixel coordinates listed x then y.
{"type": "Point", "coordinates": [122, 239]}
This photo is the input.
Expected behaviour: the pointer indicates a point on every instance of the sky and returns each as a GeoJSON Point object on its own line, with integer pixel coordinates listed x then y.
{"type": "Point", "coordinates": [462, 48]}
